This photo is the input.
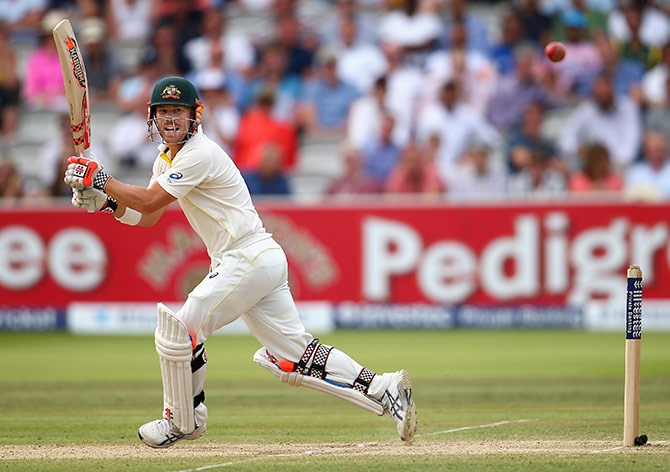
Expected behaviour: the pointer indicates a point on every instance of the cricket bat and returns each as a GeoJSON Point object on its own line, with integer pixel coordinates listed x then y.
{"type": "Point", "coordinates": [76, 86]}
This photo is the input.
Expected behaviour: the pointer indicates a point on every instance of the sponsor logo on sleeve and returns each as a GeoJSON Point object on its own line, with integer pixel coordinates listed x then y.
{"type": "Point", "coordinates": [175, 176]}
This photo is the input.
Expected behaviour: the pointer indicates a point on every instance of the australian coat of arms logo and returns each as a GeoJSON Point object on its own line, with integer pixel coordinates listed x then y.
{"type": "Point", "coordinates": [171, 91]}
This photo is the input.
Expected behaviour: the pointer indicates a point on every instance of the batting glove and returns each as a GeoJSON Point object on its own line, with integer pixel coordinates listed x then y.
{"type": "Point", "coordinates": [83, 173]}
{"type": "Point", "coordinates": [93, 199]}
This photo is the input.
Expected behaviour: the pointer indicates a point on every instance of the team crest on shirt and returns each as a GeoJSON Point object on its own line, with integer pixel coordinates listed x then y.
{"type": "Point", "coordinates": [171, 91]}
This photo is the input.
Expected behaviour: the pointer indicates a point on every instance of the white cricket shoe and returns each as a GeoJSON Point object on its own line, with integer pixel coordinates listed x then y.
{"type": "Point", "coordinates": [398, 404]}
{"type": "Point", "coordinates": [162, 433]}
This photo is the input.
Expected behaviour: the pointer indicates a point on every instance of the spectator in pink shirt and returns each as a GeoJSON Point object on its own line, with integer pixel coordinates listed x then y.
{"type": "Point", "coordinates": [43, 82]}
{"type": "Point", "coordinates": [414, 173]}
{"type": "Point", "coordinates": [596, 174]}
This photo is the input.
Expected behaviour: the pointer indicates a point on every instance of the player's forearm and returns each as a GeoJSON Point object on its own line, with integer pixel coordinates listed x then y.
{"type": "Point", "coordinates": [138, 198]}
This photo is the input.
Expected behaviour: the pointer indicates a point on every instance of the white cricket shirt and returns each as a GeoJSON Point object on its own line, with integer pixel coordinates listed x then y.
{"type": "Point", "coordinates": [210, 191]}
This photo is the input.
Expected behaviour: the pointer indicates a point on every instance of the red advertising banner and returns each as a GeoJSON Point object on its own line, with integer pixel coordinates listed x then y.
{"type": "Point", "coordinates": [447, 254]}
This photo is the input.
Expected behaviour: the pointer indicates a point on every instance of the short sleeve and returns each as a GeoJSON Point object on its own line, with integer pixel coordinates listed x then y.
{"type": "Point", "coordinates": [188, 171]}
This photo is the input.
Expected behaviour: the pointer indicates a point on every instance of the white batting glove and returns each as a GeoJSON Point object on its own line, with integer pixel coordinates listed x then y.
{"type": "Point", "coordinates": [93, 199]}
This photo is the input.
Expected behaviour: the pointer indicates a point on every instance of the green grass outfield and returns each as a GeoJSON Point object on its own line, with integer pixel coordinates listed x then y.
{"type": "Point", "coordinates": [74, 403]}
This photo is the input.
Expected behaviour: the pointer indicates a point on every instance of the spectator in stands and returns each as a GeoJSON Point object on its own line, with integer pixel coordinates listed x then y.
{"type": "Point", "coordinates": [471, 69]}
{"type": "Point", "coordinates": [139, 82]}
{"type": "Point", "coordinates": [404, 85]}
{"type": "Point", "coordinates": [527, 138]}
{"type": "Point", "coordinates": [358, 63]}
{"type": "Point", "coordinates": [170, 53]}
{"type": "Point", "coordinates": [613, 120]}
{"type": "Point", "coordinates": [130, 151]}
{"type": "Point", "coordinates": [269, 178]}
{"type": "Point", "coordinates": [129, 21]}
{"type": "Point", "coordinates": [269, 75]}
{"type": "Point", "coordinates": [457, 125]}
{"type": "Point", "coordinates": [9, 90]}
{"type": "Point", "coordinates": [651, 175]}
{"type": "Point", "coordinates": [594, 14]}
{"type": "Point", "coordinates": [582, 63]}
{"type": "Point", "coordinates": [626, 72]}
{"type": "Point", "coordinates": [517, 90]}
{"type": "Point", "coordinates": [535, 24]}
{"type": "Point", "coordinates": [365, 21]}
{"type": "Point", "coordinates": [475, 27]}
{"type": "Point", "coordinates": [327, 99]}
{"type": "Point", "coordinates": [596, 174]}
{"type": "Point", "coordinates": [258, 128]}
{"type": "Point", "coordinates": [414, 173]}
{"type": "Point", "coordinates": [638, 24]}
{"type": "Point", "coordinates": [185, 17]}
{"type": "Point", "coordinates": [355, 179]}
{"type": "Point", "coordinates": [11, 185]}
{"type": "Point", "coordinates": [409, 27]}
{"type": "Point", "coordinates": [381, 153]}
{"type": "Point", "coordinates": [634, 47]}
{"type": "Point", "coordinates": [654, 83]}
{"type": "Point", "coordinates": [538, 178]}
{"type": "Point", "coordinates": [221, 118]}
{"type": "Point", "coordinates": [299, 58]}
{"type": "Point", "coordinates": [103, 70]}
{"type": "Point", "coordinates": [22, 19]}
{"type": "Point", "coordinates": [503, 53]}
{"type": "Point", "coordinates": [236, 49]}
{"type": "Point", "coordinates": [43, 82]}
{"type": "Point", "coordinates": [476, 175]}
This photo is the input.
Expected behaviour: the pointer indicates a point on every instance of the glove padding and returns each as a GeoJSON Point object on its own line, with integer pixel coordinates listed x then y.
{"type": "Point", "coordinates": [83, 173]}
{"type": "Point", "coordinates": [93, 199]}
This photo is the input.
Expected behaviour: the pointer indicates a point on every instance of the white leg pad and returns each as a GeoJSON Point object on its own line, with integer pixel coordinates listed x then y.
{"type": "Point", "coordinates": [294, 378]}
{"type": "Point", "coordinates": [174, 348]}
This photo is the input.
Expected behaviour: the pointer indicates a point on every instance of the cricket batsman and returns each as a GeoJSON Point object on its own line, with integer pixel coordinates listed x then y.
{"type": "Point", "coordinates": [248, 276]}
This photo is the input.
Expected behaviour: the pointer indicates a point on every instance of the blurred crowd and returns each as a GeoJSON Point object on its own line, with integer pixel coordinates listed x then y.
{"type": "Point", "coordinates": [444, 98]}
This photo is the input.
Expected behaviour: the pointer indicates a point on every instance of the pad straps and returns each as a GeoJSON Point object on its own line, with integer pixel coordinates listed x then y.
{"type": "Point", "coordinates": [306, 356]}
{"type": "Point", "coordinates": [318, 368]}
{"type": "Point", "coordinates": [362, 382]}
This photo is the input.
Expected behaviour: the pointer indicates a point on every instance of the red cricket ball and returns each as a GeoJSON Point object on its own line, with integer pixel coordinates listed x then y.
{"type": "Point", "coordinates": [555, 51]}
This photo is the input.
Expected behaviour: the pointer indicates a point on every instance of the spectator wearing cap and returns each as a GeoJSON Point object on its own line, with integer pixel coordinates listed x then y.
{"type": "Point", "coordinates": [103, 71]}
{"type": "Point", "coordinates": [607, 118]}
{"type": "Point", "coordinates": [43, 81]}
{"type": "Point", "coordinates": [327, 99]}
{"type": "Point", "coordinates": [651, 175]}
{"type": "Point", "coordinates": [582, 62]}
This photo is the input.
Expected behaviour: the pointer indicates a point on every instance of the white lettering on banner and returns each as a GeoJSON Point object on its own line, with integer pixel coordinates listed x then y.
{"type": "Point", "coordinates": [76, 258]}
{"type": "Point", "coordinates": [522, 248]}
{"type": "Point", "coordinates": [447, 271]}
{"type": "Point", "coordinates": [21, 257]}
{"type": "Point", "coordinates": [389, 248]}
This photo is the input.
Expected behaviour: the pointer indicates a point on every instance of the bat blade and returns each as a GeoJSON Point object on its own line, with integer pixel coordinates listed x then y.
{"type": "Point", "coordinates": [76, 85]}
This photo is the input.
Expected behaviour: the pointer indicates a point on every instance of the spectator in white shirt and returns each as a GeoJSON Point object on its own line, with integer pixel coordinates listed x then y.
{"type": "Point", "coordinates": [651, 176]}
{"type": "Point", "coordinates": [613, 120]}
{"type": "Point", "coordinates": [654, 82]}
{"type": "Point", "coordinates": [457, 125]}
{"type": "Point", "coordinates": [237, 49]}
{"type": "Point", "coordinates": [359, 62]}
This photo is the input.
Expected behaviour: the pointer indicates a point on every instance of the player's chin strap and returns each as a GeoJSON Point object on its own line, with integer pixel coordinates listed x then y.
{"type": "Point", "coordinates": [310, 372]}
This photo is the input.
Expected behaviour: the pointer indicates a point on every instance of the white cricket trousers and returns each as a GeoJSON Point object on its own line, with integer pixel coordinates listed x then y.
{"type": "Point", "coordinates": [252, 282]}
